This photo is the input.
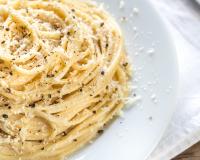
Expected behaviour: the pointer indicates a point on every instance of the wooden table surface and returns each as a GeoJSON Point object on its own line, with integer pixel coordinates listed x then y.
{"type": "Point", "coordinates": [192, 153]}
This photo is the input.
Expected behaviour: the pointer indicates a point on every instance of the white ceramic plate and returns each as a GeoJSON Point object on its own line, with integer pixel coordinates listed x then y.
{"type": "Point", "coordinates": [154, 60]}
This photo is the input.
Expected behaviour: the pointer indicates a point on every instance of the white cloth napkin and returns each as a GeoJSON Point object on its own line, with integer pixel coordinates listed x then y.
{"type": "Point", "coordinates": [183, 18]}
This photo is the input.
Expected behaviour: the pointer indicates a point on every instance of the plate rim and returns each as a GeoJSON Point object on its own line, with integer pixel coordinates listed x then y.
{"type": "Point", "coordinates": [167, 28]}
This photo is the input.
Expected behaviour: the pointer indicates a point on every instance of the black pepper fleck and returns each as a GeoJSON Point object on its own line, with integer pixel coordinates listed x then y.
{"type": "Point", "coordinates": [40, 141]}
{"type": "Point", "coordinates": [32, 105]}
{"type": "Point", "coordinates": [125, 64]}
{"type": "Point", "coordinates": [5, 116]}
{"type": "Point", "coordinates": [50, 75]}
{"type": "Point", "coordinates": [124, 19]}
{"type": "Point", "coordinates": [102, 72]}
{"type": "Point", "coordinates": [150, 118]}
{"type": "Point", "coordinates": [100, 131]}
{"type": "Point", "coordinates": [94, 112]}
{"type": "Point", "coordinates": [102, 24]}
{"type": "Point", "coordinates": [3, 42]}
{"type": "Point", "coordinates": [29, 34]}
{"type": "Point", "coordinates": [75, 140]}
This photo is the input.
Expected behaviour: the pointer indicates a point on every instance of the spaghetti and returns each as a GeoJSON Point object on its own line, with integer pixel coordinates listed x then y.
{"type": "Point", "coordinates": [63, 76]}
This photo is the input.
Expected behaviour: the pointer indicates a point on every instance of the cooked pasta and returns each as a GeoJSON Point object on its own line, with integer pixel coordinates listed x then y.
{"type": "Point", "coordinates": [63, 76]}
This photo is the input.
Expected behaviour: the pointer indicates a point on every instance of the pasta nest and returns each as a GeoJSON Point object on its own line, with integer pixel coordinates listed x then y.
{"type": "Point", "coordinates": [63, 76]}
